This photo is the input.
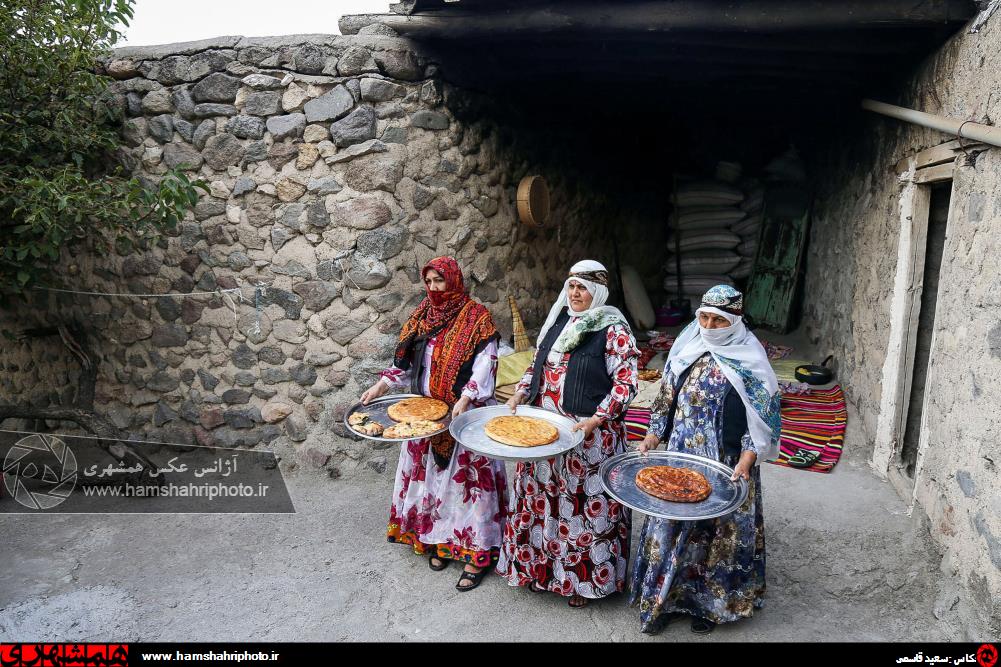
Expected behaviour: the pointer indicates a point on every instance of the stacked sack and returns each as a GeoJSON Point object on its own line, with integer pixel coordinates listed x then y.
{"type": "Point", "coordinates": [748, 229]}
{"type": "Point", "coordinates": [706, 214]}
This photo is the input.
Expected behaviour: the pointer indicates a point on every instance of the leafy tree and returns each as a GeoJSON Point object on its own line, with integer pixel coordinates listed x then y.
{"type": "Point", "coordinates": [60, 182]}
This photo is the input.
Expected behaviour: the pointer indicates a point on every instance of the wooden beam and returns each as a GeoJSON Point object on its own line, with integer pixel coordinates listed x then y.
{"type": "Point", "coordinates": [937, 155]}
{"type": "Point", "coordinates": [666, 72]}
{"type": "Point", "coordinates": [770, 16]}
{"type": "Point", "coordinates": [650, 60]}
{"type": "Point", "coordinates": [873, 41]}
{"type": "Point", "coordinates": [942, 172]}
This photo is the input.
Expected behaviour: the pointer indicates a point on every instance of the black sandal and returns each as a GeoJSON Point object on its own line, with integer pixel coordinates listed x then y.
{"type": "Point", "coordinates": [436, 557]}
{"type": "Point", "coordinates": [580, 605]}
{"type": "Point", "coordinates": [702, 626]}
{"type": "Point", "coordinates": [536, 587]}
{"type": "Point", "coordinates": [475, 577]}
{"type": "Point", "coordinates": [662, 622]}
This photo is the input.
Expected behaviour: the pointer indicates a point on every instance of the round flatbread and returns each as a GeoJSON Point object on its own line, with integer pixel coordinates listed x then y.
{"type": "Point", "coordinates": [521, 431]}
{"type": "Point", "coordinates": [677, 485]}
{"type": "Point", "coordinates": [418, 409]}
{"type": "Point", "coordinates": [414, 429]}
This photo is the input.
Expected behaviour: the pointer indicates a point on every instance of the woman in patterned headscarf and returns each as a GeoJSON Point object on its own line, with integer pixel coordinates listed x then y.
{"type": "Point", "coordinates": [719, 398]}
{"type": "Point", "coordinates": [448, 502]}
{"type": "Point", "coordinates": [564, 534]}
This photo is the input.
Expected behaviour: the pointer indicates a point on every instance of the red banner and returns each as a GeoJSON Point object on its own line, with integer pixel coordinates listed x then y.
{"type": "Point", "coordinates": [64, 655]}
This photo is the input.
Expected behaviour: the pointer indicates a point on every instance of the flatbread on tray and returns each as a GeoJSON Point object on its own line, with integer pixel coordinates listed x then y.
{"type": "Point", "coordinates": [419, 408]}
{"type": "Point", "coordinates": [413, 429]}
{"type": "Point", "coordinates": [362, 422]}
{"type": "Point", "coordinates": [677, 485]}
{"type": "Point", "coordinates": [521, 431]}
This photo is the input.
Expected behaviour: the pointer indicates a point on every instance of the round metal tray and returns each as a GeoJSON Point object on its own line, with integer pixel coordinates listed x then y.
{"type": "Point", "coordinates": [618, 477]}
{"type": "Point", "coordinates": [467, 429]}
{"type": "Point", "coordinates": [378, 411]}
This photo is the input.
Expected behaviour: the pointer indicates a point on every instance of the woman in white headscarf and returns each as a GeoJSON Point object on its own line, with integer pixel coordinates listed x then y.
{"type": "Point", "coordinates": [564, 535]}
{"type": "Point", "coordinates": [719, 398]}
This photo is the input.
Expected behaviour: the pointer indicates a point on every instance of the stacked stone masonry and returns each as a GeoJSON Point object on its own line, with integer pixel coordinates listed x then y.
{"type": "Point", "coordinates": [336, 168]}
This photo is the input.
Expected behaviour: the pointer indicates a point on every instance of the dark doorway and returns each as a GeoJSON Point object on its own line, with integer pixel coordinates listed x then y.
{"type": "Point", "coordinates": [938, 216]}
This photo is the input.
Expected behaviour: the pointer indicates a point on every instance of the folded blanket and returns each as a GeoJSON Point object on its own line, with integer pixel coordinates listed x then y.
{"type": "Point", "coordinates": [511, 368]}
{"type": "Point", "coordinates": [785, 369]}
{"type": "Point", "coordinates": [814, 422]}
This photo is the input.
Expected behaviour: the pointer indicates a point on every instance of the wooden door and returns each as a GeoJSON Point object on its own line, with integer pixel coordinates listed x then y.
{"type": "Point", "coordinates": [774, 284]}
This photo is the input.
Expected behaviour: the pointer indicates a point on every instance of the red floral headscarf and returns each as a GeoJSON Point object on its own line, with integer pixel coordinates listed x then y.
{"type": "Point", "coordinates": [437, 309]}
{"type": "Point", "coordinates": [463, 328]}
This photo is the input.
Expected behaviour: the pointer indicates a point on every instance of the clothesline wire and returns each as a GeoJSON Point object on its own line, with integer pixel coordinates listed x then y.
{"type": "Point", "coordinates": [225, 293]}
{"type": "Point", "coordinates": [98, 437]}
{"type": "Point", "coordinates": [147, 296]}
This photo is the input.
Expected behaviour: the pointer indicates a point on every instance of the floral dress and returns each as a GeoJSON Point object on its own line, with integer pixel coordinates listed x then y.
{"type": "Point", "coordinates": [713, 569]}
{"type": "Point", "coordinates": [563, 531]}
{"type": "Point", "coordinates": [458, 511]}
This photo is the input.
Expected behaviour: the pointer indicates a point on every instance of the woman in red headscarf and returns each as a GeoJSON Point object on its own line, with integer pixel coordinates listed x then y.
{"type": "Point", "coordinates": [448, 502]}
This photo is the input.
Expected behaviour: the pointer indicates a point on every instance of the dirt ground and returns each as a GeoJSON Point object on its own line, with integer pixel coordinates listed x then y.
{"type": "Point", "coordinates": [845, 563]}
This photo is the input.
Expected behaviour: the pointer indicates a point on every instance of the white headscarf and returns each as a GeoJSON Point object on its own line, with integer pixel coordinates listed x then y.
{"type": "Point", "coordinates": [744, 362]}
{"type": "Point", "coordinates": [598, 312]}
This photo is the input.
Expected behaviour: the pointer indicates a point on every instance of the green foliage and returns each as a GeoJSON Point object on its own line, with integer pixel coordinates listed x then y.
{"type": "Point", "coordinates": [60, 182]}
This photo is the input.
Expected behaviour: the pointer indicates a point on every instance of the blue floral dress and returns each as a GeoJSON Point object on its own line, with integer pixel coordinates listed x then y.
{"type": "Point", "coordinates": [713, 569]}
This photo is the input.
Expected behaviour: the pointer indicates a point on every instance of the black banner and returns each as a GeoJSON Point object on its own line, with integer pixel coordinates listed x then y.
{"type": "Point", "coordinates": [272, 653]}
{"type": "Point", "coordinates": [75, 474]}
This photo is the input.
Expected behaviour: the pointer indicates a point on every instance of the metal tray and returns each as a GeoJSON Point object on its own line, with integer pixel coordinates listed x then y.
{"type": "Point", "coordinates": [378, 411]}
{"type": "Point", "coordinates": [467, 429]}
{"type": "Point", "coordinates": [618, 477]}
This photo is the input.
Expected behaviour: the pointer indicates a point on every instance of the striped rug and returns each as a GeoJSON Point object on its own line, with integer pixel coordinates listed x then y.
{"type": "Point", "coordinates": [814, 421]}
{"type": "Point", "coordinates": [637, 422]}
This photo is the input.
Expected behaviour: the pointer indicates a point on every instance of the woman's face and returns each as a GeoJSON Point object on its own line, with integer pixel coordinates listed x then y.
{"type": "Point", "coordinates": [712, 321]}
{"type": "Point", "coordinates": [580, 299]}
{"type": "Point", "coordinates": [434, 281]}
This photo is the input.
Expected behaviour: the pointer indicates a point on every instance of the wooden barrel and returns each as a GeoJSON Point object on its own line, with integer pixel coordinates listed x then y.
{"type": "Point", "coordinates": [533, 200]}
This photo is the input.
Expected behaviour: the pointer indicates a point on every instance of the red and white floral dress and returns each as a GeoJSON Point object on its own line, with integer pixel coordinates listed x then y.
{"type": "Point", "coordinates": [563, 531]}
{"type": "Point", "coordinates": [459, 511]}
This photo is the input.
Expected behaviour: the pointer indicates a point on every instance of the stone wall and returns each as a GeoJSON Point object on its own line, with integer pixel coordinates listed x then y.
{"type": "Point", "coordinates": [337, 166]}
{"type": "Point", "coordinates": [849, 285]}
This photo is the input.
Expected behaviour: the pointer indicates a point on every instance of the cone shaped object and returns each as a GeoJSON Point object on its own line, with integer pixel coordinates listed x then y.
{"type": "Point", "coordinates": [521, 342]}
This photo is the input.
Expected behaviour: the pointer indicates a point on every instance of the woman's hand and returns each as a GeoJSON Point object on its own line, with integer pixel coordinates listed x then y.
{"type": "Point", "coordinates": [515, 401]}
{"type": "Point", "coordinates": [587, 425]}
{"type": "Point", "coordinates": [649, 442]}
{"type": "Point", "coordinates": [375, 391]}
{"type": "Point", "coordinates": [743, 467]}
{"type": "Point", "coordinates": [460, 406]}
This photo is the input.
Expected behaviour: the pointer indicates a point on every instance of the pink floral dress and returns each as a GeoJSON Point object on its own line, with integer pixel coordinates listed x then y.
{"type": "Point", "coordinates": [458, 511]}
{"type": "Point", "coordinates": [563, 532]}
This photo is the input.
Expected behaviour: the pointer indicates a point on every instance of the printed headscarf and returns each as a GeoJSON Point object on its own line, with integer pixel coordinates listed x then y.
{"type": "Point", "coordinates": [743, 361]}
{"type": "Point", "coordinates": [594, 277]}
